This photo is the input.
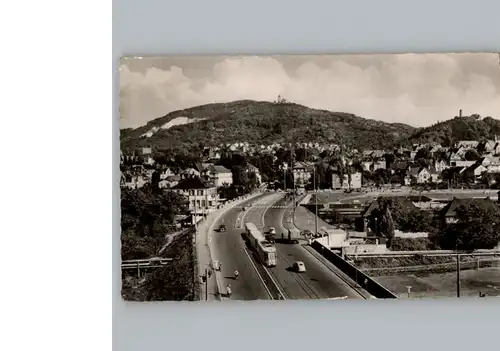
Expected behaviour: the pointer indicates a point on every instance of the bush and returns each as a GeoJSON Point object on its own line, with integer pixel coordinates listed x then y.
{"type": "Point", "coordinates": [411, 244]}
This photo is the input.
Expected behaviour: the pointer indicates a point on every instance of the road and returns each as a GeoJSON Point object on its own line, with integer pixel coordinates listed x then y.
{"type": "Point", "coordinates": [229, 248]}
{"type": "Point", "coordinates": [320, 281]}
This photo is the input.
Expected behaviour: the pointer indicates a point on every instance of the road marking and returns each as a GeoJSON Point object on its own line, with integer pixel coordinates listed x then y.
{"type": "Point", "coordinates": [274, 282]}
{"type": "Point", "coordinates": [260, 277]}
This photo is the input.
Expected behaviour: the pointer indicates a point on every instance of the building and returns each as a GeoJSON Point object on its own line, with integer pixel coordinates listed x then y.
{"type": "Point", "coordinates": [202, 196]}
{"type": "Point", "coordinates": [220, 175]}
{"type": "Point", "coordinates": [355, 183]}
{"type": "Point", "coordinates": [250, 168]}
{"type": "Point", "coordinates": [421, 175]}
{"type": "Point", "coordinates": [475, 172]}
{"type": "Point", "coordinates": [449, 212]}
{"type": "Point", "coordinates": [301, 175]}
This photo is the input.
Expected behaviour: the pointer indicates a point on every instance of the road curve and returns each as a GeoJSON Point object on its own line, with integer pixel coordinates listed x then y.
{"type": "Point", "coordinates": [319, 280]}
{"type": "Point", "coordinates": [229, 248]}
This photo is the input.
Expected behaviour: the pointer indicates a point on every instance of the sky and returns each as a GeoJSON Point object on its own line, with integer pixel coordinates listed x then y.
{"type": "Point", "coordinates": [416, 89]}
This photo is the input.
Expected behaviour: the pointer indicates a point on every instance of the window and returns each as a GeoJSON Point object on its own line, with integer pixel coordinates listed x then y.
{"type": "Point", "coordinates": [200, 192]}
{"type": "Point", "coordinates": [210, 203]}
{"type": "Point", "coordinates": [203, 203]}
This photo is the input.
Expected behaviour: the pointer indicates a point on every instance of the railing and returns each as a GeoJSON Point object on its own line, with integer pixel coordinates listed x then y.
{"type": "Point", "coordinates": [364, 281]}
{"type": "Point", "coordinates": [146, 263]}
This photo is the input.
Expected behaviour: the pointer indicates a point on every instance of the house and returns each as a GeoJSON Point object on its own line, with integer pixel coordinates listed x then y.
{"type": "Point", "coordinates": [250, 168]}
{"type": "Point", "coordinates": [368, 222]}
{"type": "Point", "coordinates": [167, 172]}
{"type": "Point", "coordinates": [220, 175]}
{"type": "Point", "coordinates": [467, 144]}
{"type": "Point", "coordinates": [169, 181]}
{"type": "Point", "coordinates": [355, 183]}
{"type": "Point", "coordinates": [440, 166]}
{"type": "Point", "coordinates": [420, 174]}
{"type": "Point", "coordinates": [374, 165]}
{"type": "Point", "coordinates": [399, 167]}
{"type": "Point", "coordinates": [146, 151]}
{"type": "Point", "coordinates": [189, 172]}
{"type": "Point", "coordinates": [135, 181]}
{"type": "Point", "coordinates": [148, 160]}
{"type": "Point", "coordinates": [202, 195]}
{"type": "Point", "coordinates": [301, 174]}
{"type": "Point", "coordinates": [449, 214]}
{"type": "Point", "coordinates": [475, 171]}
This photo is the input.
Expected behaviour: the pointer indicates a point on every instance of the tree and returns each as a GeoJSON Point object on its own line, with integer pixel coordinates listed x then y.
{"type": "Point", "coordinates": [478, 227]}
{"type": "Point", "coordinates": [240, 176]}
{"type": "Point", "coordinates": [386, 223]}
{"type": "Point", "coordinates": [471, 155]}
{"type": "Point", "coordinates": [147, 216]}
{"type": "Point", "coordinates": [423, 153]}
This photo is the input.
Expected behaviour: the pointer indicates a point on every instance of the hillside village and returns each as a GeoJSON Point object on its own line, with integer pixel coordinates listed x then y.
{"type": "Point", "coordinates": [223, 172]}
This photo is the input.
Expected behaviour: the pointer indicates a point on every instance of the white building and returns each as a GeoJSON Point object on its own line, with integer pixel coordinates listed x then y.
{"type": "Point", "coordinates": [220, 175]}
{"type": "Point", "coordinates": [355, 183]}
{"type": "Point", "coordinates": [202, 196]}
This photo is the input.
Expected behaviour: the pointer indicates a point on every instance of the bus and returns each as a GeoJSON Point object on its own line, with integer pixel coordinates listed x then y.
{"type": "Point", "coordinates": [264, 249]}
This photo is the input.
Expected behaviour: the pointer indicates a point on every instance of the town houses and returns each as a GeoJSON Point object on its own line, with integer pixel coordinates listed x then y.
{"type": "Point", "coordinates": [465, 163]}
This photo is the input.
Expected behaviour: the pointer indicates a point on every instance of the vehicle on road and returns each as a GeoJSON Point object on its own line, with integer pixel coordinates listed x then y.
{"type": "Point", "coordinates": [271, 238]}
{"type": "Point", "coordinates": [265, 250]}
{"type": "Point", "coordinates": [243, 209]}
{"type": "Point", "coordinates": [217, 265]}
{"type": "Point", "coordinates": [222, 228]}
{"type": "Point", "coordinates": [272, 230]}
{"type": "Point", "coordinates": [236, 274]}
{"type": "Point", "coordinates": [299, 266]}
{"type": "Point", "coordinates": [307, 233]}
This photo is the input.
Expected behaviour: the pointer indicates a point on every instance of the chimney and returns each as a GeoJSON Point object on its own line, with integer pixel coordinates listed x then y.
{"type": "Point", "coordinates": [460, 113]}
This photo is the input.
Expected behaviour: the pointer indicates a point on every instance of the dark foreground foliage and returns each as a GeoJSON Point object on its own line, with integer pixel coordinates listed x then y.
{"type": "Point", "coordinates": [175, 282]}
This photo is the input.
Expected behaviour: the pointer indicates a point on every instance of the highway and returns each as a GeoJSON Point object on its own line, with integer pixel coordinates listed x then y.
{"type": "Point", "coordinates": [319, 281]}
{"type": "Point", "coordinates": [229, 247]}
{"type": "Point", "coordinates": [256, 282]}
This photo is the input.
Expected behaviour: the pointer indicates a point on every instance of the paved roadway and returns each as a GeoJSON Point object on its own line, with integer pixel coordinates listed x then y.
{"type": "Point", "coordinates": [320, 281]}
{"type": "Point", "coordinates": [229, 248]}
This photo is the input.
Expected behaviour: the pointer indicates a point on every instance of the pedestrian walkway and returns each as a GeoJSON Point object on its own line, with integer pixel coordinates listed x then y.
{"type": "Point", "coordinates": [209, 289]}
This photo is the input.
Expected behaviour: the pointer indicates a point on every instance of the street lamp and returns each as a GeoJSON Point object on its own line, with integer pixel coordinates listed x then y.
{"type": "Point", "coordinates": [205, 277]}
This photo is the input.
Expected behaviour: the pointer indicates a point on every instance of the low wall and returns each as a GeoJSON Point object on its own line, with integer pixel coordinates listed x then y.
{"type": "Point", "coordinates": [367, 283]}
{"type": "Point", "coordinates": [365, 248]}
{"type": "Point", "coordinates": [400, 234]}
{"type": "Point", "coordinates": [203, 242]}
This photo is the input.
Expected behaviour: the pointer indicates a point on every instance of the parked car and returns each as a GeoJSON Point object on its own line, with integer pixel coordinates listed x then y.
{"type": "Point", "coordinates": [222, 228]}
{"type": "Point", "coordinates": [299, 266]}
{"type": "Point", "coordinates": [272, 230]}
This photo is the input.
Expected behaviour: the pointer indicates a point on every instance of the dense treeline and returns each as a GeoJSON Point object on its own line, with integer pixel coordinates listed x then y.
{"type": "Point", "coordinates": [478, 226]}
{"type": "Point", "coordinates": [266, 123]}
{"type": "Point", "coordinates": [282, 122]}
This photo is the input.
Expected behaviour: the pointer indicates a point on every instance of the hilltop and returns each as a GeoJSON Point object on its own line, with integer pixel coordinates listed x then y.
{"type": "Point", "coordinates": [282, 122]}
{"type": "Point", "coordinates": [472, 127]}
{"type": "Point", "coordinates": [263, 122]}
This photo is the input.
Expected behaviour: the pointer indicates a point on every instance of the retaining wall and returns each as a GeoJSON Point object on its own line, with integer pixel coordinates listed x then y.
{"type": "Point", "coordinates": [367, 283]}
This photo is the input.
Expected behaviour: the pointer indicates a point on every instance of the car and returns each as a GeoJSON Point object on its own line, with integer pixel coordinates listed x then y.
{"type": "Point", "coordinates": [272, 230]}
{"type": "Point", "coordinates": [299, 266]}
{"type": "Point", "coordinates": [243, 209]}
{"type": "Point", "coordinates": [222, 228]}
{"type": "Point", "coordinates": [307, 233]}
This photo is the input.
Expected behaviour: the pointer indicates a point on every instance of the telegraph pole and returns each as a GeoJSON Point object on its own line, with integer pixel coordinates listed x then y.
{"type": "Point", "coordinates": [315, 202]}
{"type": "Point", "coordinates": [206, 284]}
{"type": "Point", "coordinates": [458, 275]}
